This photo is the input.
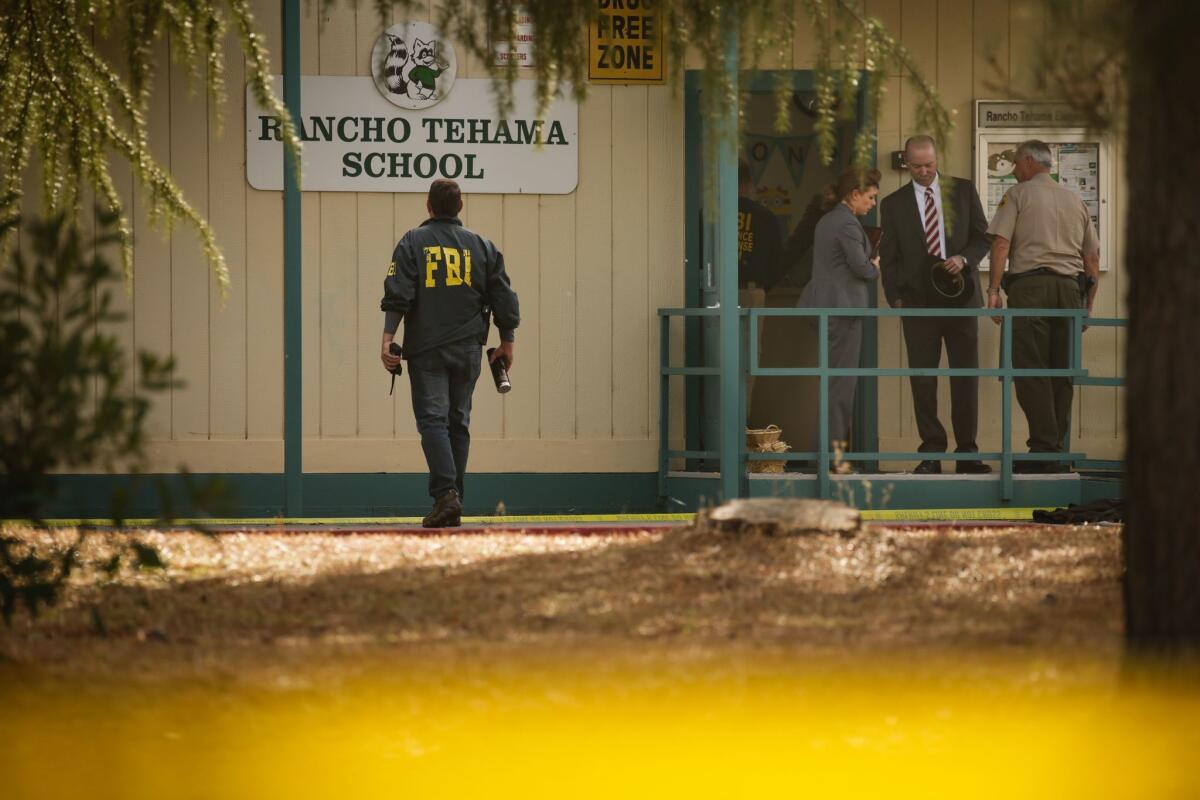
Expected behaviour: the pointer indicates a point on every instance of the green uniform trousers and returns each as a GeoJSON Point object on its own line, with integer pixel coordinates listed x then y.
{"type": "Point", "coordinates": [1044, 343]}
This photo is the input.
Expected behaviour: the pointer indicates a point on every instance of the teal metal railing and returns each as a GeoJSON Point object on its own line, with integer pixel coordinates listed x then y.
{"type": "Point", "coordinates": [748, 333]}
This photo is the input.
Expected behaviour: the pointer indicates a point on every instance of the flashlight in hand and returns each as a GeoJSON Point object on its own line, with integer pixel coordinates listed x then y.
{"type": "Point", "coordinates": [499, 372]}
{"type": "Point", "coordinates": [395, 350]}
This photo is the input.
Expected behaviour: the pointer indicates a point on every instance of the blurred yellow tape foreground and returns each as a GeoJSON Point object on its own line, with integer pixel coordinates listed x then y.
{"type": "Point", "coordinates": [704, 730]}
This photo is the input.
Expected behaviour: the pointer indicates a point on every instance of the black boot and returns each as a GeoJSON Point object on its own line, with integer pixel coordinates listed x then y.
{"type": "Point", "coordinates": [446, 513]}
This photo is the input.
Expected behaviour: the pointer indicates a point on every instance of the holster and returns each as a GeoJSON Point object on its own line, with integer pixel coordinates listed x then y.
{"type": "Point", "coordinates": [1086, 282]}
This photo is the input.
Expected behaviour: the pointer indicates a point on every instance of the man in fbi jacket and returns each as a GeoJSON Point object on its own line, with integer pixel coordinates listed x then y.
{"type": "Point", "coordinates": [445, 282]}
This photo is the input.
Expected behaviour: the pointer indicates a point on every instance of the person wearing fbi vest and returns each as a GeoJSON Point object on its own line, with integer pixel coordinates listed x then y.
{"type": "Point", "coordinates": [1044, 232]}
{"type": "Point", "coordinates": [936, 219]}
{"type": "Point", "coordinates": [444, 283]}
{"type": "Point", "coordinates": [760, 257]}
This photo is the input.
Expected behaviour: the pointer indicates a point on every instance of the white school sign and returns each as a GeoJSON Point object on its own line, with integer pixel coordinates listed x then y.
{"type": "Point", "coordinates": [356, 141]}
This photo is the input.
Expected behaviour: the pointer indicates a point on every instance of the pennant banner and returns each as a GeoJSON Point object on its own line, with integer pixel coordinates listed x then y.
{"type": "Point", "coordinates": [792, 148]}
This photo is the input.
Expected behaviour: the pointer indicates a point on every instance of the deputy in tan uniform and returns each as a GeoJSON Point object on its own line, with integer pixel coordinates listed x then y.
{"type": "Point", "coordinates": [1046, 234]}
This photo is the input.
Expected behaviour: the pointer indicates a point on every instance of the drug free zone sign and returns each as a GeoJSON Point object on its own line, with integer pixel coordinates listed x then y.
{"type": "Point", "coordinates": [355, 140]}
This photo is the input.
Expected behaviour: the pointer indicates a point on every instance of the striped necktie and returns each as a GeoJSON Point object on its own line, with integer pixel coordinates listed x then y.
{"type": "Point", "coordinates": [933, 242]}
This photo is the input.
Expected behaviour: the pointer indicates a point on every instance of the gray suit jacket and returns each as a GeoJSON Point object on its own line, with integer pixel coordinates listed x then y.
{"type": "Point", "coordinates": [842, 268]}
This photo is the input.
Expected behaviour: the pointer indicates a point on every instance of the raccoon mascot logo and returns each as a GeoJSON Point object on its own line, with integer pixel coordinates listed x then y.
{"type": "Point", "coordinates": [393, 65]}
{"type": "Point", "coordinates": [1000, 165]}
{"type": "Point", "coordinates": [413, 65]}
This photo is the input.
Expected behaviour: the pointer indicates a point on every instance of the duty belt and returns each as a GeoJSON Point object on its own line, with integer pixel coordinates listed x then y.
{"type": "Point", "coordinates": [1084, 280]}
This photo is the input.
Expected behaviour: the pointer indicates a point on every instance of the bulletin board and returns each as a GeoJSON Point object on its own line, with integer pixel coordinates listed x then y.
{"type": "Point", "coordinates": [1080, 161]}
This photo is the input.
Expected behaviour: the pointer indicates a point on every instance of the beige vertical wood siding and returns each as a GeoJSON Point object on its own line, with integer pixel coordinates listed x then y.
{"type": "Point", "coordinates": [591, 269]}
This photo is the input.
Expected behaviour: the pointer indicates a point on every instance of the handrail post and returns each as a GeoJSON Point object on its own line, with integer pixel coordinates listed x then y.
{"type": "Point", "coordinates": [1006, 459]}
{"type": "Point", "coordinates": [1076, 363]}
{"type": "Point", "coordinates": [743, 407]}
{"type": "Point", "coordinates": [823, 406]}
{"type": "Point", "coordinates": [752, 354]}
{"type": "Point", "coordinates": [732, 438]}
{"type": "Point", "coordinates": [293, 282]}
{"type": "Point", "coordinates": [664, 404]}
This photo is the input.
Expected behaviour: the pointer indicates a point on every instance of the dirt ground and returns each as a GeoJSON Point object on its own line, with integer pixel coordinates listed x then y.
{"type": "Point", "coordinates": [227, 605]}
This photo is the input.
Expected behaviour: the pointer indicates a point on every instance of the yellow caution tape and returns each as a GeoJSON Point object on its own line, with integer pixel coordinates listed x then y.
{"type": "Point", "coordinates": [888, 515]}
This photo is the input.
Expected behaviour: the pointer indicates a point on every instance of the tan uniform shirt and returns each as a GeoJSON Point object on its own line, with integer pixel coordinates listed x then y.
{"type": "Point", "coordinates": [1048, 226]}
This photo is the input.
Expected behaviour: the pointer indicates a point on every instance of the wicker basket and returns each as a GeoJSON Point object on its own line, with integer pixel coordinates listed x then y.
{"type": "Point", "coordinates": [766, 440]}
{"type": "Point", "coordinates": [757, 437]}
{"type": "Point", "coordinates": [768, 467]}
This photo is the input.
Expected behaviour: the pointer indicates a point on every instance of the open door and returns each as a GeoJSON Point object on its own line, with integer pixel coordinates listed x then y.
{"type": "Point", "coordinates": [787, 177]}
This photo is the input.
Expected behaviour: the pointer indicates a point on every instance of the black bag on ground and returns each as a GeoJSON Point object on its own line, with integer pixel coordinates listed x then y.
{"type": "Point", "coordinates": [1107, 510]}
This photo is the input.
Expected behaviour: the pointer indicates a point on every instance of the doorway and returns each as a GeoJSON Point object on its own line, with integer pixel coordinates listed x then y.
{"type": "Point", "coordinates": [787, 177]}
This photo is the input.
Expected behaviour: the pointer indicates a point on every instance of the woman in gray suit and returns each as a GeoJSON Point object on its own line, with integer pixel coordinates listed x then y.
{"type": "Point", "coordinates": [842, 269]}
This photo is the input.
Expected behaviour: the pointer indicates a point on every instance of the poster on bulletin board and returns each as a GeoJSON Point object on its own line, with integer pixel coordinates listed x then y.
{"type": "Point", "coordinates": [1081, 161]}
{"type": "Point", "coordinates": [1076, 166]}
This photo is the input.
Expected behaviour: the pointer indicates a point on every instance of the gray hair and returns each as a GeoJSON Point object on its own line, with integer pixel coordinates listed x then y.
{"type": "Point", "coordinates": [1038, 150]}
{"type": "Point", "coordinates": [920, 140]}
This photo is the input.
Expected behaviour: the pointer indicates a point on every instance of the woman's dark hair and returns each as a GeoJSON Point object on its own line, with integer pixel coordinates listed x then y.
{"type": "Point", "coordinates": [445, 198]}
{"type": "Point", "coordinates": [852, 179]}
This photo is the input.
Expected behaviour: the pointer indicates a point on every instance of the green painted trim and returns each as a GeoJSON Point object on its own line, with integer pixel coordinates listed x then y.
{"type": "Point", "coordinates": [914, 455]}
{"type": "Point", "coordinates": [823, 407]}
{"type": "Point", "coordinates": [866, 404]}
{"type": "Point", "coordinates": [897, 372]}
{"type": "Point", "coordinates": [898, 312]}
{"type": "Point", "coordinates": [725, 132]}
{"type": "Point", "coordinates": [293, 379]}
{"type": "Point", "coordinates": [766, 80]}
{"type": "Point", "coordinates": [945, 492]}
{"type": "Point", "coordinates": [698, 490]}
{"type": "Point", "coordinates": [369, 494]}
{"type": "Point", "coordinates": [1102, 488]}
{"type": "Point", "coordinates": [944, 497]}
{"type": "Point", "coordinates": [694, 263]}
{"type": "Point", "coordinates": [1006, 391]}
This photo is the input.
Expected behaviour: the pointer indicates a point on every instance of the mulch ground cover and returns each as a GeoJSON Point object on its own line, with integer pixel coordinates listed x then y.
{"type": "Point", "coordinates": [239, 601]}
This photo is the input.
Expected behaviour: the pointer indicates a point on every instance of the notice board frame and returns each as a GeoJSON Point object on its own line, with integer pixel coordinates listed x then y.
{"type": "Point", "coordinates": [1055, 136]}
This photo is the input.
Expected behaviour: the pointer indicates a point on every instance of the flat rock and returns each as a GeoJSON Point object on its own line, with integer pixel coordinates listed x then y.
{"type": "Point", "coordinates": [782, 517]}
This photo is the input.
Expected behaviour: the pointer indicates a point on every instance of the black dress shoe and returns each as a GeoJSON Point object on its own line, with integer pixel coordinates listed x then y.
{"type": "Point", "coordinates": [972, 468]}
{"type": "Point", "coordinates": [928, 468]}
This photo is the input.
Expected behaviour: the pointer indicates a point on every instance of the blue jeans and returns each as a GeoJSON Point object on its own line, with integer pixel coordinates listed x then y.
{"type": "Point", "coordinates": [442, 381]}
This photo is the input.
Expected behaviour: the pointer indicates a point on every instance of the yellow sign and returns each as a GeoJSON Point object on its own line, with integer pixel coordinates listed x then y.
{"type": "Point", "coordinates": [626, 43]}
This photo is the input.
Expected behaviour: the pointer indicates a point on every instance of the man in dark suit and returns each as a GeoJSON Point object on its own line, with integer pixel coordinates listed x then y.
{"type": "Point", "coordinates": [936, 217]}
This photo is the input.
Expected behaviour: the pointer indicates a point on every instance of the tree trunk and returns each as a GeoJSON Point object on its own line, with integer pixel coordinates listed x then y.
{"type": "Point", "coordinates": [1162, 238]}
